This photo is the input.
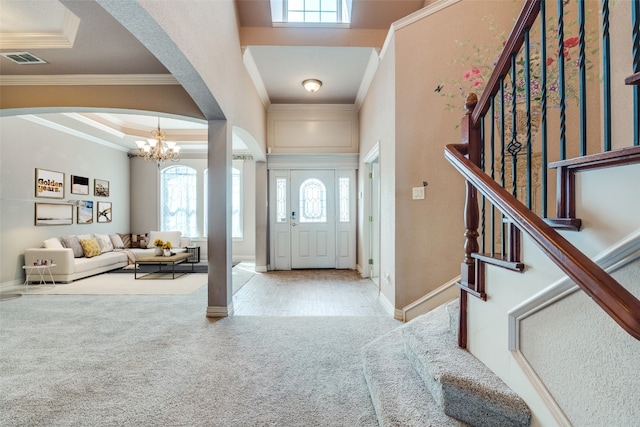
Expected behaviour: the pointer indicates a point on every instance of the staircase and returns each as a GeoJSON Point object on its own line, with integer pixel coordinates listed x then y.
{"type": "Point", "coordinates": [418, 376]}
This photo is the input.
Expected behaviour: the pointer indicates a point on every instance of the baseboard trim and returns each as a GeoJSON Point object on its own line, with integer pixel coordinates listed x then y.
{"type": "Point", "coordinates": [260, 268]}
{"type": "Point", "coordinates": [217, 312]}
{"type": "Point", "coordinates": [11, 286]}
{"type": "Point", "coordinates": [389, 308]}
{"type": "Point", "coordinates": [542, 390]}
{"type": "Point", "coordinates": [430, 301]}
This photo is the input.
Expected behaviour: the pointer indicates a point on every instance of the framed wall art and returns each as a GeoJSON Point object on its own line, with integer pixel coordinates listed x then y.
{"type": "Point", "coordinates": [85, 212]}
{"type": "Point", "coordinates": [79, 185]}
{"type": "Point", "coordinates": [104, 212]}
{"type": "Point", "coordinates": [100, 188]}
{"type": "Point", "coordinates": [53, 214]}
{"type": "Point", "coordinates": [49, 184]}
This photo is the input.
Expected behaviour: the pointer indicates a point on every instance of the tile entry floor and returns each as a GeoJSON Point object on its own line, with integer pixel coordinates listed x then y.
{"type": "Point", "coordinates": [308, 293]}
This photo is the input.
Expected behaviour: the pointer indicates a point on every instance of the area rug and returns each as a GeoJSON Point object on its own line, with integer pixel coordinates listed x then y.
{"type": "Point", "coordinates": [146, 268]}
{"type": "Point", "coordinates": [120, 284]}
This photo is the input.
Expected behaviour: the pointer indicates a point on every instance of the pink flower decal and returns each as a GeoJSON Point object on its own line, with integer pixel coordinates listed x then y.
{"type": "Point", "coordinates": [469, 74]}
{"type": "Point", "coordinates": [571, 42]}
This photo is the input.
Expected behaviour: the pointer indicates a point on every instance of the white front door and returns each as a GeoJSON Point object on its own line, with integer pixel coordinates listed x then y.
{"type": "Point", "coordinates": [312, 219]}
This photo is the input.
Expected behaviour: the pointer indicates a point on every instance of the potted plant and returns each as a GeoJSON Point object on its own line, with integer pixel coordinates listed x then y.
{"type": "Point", "coordinates": [167, 248]}
{"type": "Point", "coordinates": [158, 243]}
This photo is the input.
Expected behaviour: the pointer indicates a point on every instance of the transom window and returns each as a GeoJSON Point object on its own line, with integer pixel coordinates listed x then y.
{"type": "Point", "coordinates": [313, 201]}
{"type": "Point", "coordinates": [311, 11]}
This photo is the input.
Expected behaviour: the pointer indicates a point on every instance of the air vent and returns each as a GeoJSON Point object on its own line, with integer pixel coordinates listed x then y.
{"type": "Point", "coordinates": [23, 58]}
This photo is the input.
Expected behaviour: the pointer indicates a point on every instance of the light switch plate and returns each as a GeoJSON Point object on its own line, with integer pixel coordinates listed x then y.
{"type": "Point", "coordinates": [418, 193]}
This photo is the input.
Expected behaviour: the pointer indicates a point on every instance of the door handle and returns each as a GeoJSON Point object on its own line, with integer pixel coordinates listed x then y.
{"type": "Point", "coordinates": [293, 223]}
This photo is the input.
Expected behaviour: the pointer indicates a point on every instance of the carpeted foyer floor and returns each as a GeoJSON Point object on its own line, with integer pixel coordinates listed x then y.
{"type": "Point", "coordinates": [156, 360]}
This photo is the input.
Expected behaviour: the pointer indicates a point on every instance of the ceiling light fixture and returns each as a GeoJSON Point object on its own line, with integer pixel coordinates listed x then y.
{"type": "Point", "coordinates": [157, 149]}
{"type": "Point", "coordinates": [312, 85]}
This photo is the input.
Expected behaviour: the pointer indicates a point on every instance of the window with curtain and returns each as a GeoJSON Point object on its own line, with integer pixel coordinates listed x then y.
{"type": "Point", "coordinates": [236, 204]}
{"type": "Point", "coordinates": [179, 200]}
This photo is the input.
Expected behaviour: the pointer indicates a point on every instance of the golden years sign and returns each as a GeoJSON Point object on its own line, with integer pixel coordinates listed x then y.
{"type": "Point", "coordinates": [49, 184]}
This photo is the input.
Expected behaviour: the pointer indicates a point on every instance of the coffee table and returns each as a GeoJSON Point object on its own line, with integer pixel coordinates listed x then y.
{"type": "Point", "coordinates": [172, 260]}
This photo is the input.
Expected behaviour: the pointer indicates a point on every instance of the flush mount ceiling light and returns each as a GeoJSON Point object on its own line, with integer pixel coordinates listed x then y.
{"type": "Point", "coordinates": [312, 85]}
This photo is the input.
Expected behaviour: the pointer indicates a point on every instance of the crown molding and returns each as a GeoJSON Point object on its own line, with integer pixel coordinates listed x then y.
{"type": "Point", "coordinates": [312, 107]}
{"type": "Point", "coordinates": [89, 80]}
{"type": "Point", "coordinates": [62, 40]}
{"type": "Point", "coordinates": [62, 128]}
{"type": "Point", "coordinates": [254, 74]}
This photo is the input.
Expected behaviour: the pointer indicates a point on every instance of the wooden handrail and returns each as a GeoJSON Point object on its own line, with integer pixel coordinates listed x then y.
{"type": "Point", "coordinates": [526, 19]}
{"type": "Point", "coordinates": [612, 297]}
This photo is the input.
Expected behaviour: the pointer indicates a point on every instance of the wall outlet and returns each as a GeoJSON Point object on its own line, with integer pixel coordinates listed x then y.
{"type": "Point", "coordinates": [418, 193]}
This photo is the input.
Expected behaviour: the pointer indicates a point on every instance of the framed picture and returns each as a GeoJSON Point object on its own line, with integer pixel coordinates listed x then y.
{"type": "Point", "coordinates": [104, 212]}
{"type": "Point", "coordinates": [100, 188]}
{"type": "Point", "coordinates": [79, 185]}
{"type": "Point", "coordinates": [49, 184]}
{"type": "Point", "coordinates": [53, 214]}
{"type": "Point", "coordinates": [85, 212]}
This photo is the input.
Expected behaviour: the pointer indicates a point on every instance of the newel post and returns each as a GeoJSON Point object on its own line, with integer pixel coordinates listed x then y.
{"type": "Point", "coordinates": [471, 136]}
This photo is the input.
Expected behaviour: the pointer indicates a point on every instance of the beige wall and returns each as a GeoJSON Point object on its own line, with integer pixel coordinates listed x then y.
{"type": "Point", "coordinates": [417, 235]}
{"type": "Point", "coordinates": [25, 146]}
{"type": "Point", "coordinates": [206, 32]}
{"type": "Point", "coordinates": [377, 126]}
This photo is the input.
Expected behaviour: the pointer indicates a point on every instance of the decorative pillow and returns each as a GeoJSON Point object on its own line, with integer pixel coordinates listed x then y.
{"type": "Point", "coordinates": [91, 247]}
{"type": "Point", "coordinates": [53, 243]}
{"type": "Point", "coordinates": [105, 242]}
{"type": "Point", "coordinates": [138, 240]}
{"type": "Point", "coordinates": [85, 236]}
{"type": "Point", "coordinates": [116, 241]}
{"type": "Point", "coordinates": [74, 243]}
{"type": "Point", "coordinates": [126, 240]}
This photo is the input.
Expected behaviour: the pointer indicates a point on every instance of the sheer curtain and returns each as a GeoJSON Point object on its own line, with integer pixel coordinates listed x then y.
{"type": "Point", "coordinates": [178, 190]}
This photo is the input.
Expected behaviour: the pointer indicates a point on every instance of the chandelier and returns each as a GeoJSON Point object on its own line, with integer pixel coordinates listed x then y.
{"type": "Point", "coordinates": [157, 149]}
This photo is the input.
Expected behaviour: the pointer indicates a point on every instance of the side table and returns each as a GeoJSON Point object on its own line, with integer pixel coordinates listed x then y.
{"type": "Point", "coordinates": [195, 254]}
{"type": "Point", "coordinates": [42, 271]}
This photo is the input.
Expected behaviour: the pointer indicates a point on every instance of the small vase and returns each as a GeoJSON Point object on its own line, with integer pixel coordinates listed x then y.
{"type": "Point", "coordinates": [167, 252]}
{"type": "Point", "coordinates": [158, 251]}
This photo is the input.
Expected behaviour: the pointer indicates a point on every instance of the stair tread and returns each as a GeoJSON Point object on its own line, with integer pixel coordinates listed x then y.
{"type": "Point", "coordinates": [462, 385]}
{"type": "Point", "coordinates": [399, 394]}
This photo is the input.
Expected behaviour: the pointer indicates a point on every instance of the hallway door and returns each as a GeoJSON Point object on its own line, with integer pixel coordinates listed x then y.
{"type": "Point", "coordinates": [312, 217]}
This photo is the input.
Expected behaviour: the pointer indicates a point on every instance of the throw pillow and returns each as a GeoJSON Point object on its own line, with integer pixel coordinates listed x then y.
{"type": "Point", "coordinates": [53, 243]}
{"type": "Point", "coordinates": [105, 242]}
{"type": "Point", "coordinates": [138, 240]}
{"type": "Point", "coordinates": [116, 241]}
{"type": "Point", "coordinates": [73, 243]}
{"type": "Point", "coordinates": [126, 240]}
{"type": "Point", "coordinates": [91, 247]}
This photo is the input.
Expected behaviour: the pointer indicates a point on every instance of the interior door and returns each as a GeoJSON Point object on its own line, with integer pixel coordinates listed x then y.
{"type": "Point", "coordinates": [312, 218]}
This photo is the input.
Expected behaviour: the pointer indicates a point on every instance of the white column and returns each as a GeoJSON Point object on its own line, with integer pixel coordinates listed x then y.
{"type": "Point", "coordinates": [219, 300]}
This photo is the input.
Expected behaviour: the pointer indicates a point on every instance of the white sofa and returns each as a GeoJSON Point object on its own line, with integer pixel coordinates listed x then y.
{"type": "Point", "coordinates": [73, 264]}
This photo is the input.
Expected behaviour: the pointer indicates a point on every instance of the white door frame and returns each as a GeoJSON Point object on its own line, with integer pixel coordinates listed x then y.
{"type": "Point", "coordinates": [279, 166]}
{"type": "Point", "coordinates": [367, 210]}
